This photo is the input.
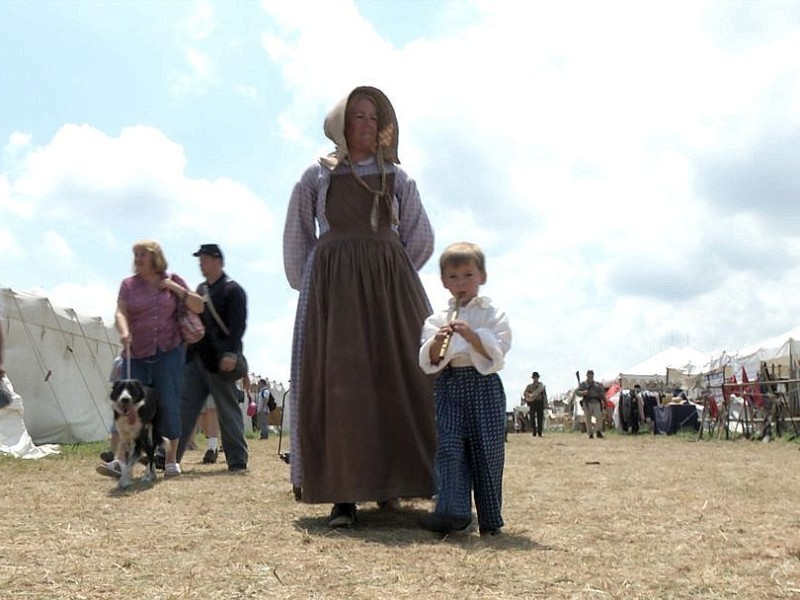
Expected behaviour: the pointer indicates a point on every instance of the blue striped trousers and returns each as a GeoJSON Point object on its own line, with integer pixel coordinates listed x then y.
{"type": "Point", "coordinates": [470, 420]}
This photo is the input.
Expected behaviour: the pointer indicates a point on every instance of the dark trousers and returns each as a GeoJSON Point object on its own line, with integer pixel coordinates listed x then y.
{"type": "Point", "coordinates": [198, 384]}
{"type": "Point", "coordinates": [633, 421]}
{"type": "Point", "coordinates": [536, 416]}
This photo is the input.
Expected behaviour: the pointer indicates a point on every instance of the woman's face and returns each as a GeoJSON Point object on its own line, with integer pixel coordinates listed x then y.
{"type": "Point", "coordinates": [361, 129]}
{"type": "Point", "coordinates": [143, 260]}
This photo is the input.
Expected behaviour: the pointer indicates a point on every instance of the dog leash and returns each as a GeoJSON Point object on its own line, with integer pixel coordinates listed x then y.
{"type": "Point", "coordinates": [132, 415]}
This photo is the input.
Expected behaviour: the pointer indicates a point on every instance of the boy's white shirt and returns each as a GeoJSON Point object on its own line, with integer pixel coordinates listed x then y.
{"type": "Point", "coordinates": [488, 322]}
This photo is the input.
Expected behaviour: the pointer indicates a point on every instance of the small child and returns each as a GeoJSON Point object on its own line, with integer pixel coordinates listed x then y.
{"type": "Point", "coordinates": [467, 344]}
{"type": "Point", "coordinates": [263, 408]}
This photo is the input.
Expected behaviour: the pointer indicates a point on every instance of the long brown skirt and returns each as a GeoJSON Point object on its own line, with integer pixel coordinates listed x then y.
{"type": "Point", "coordinates": [366, 417]}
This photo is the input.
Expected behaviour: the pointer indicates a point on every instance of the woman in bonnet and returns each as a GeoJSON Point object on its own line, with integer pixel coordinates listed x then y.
{"type": "Point", "coordinates": [356, 233]}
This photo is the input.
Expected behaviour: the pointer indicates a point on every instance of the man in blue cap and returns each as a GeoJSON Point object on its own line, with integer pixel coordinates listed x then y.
{"type": "Point", "coordinates": [215, 363]}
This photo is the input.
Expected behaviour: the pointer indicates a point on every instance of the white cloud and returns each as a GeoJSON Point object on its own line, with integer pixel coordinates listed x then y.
{"type": "Point", "coordinates": [200, 24]}
{"type": "Point", "coordinates": [57, 247]}
{"type": "Point", "coordinates": [248, 92]}
{"type": "Point", "coordinates": [628, 168]}
{"type": "Point", "coordinates": [10, 248]}
{"type": "Point", "coordinates": [91, 299]}
{"type": "Point", "coordinates": [200, 73]}
{"type": "Point", "coordinates": [137, 177]}
{"type": "Point", "coordinates": [199, 77]}
{"type": "Point", "coordinates": [89, 195]}
{"type": "Point", "coordinates": [568, 147]}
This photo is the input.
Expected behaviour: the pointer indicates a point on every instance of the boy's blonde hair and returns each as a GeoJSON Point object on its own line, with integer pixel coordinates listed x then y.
{"type": "Point", "coordinates": [461, 253]}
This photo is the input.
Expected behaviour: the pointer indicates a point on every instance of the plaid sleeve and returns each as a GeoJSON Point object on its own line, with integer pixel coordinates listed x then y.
{"type": "Point", "coordinates": [300, 232]}
{"type": "Point", "coordinates": [415, 229]}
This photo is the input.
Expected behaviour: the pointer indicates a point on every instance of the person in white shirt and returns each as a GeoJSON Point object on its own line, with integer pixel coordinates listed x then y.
{"type": "Point", "coordinates": [466, 344]}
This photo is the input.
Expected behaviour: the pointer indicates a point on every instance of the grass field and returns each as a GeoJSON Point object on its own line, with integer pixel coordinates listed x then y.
{"type": "Point", "coordinates": [623, 517]}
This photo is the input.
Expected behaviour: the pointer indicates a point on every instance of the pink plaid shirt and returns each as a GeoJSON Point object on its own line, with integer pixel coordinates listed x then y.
{"type": "Point", "coordinates": [151, 317]}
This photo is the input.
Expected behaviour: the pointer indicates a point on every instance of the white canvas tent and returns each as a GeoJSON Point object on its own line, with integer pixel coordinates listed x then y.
{"type": "Point", "coordinates": [59, 362]}
{"type": "Point", "coordinates": [686, 359]}
{"type": "Point", "coordinates": [660, 369]}
{"type": "Point", "coordinates": [778, 352]}
{"type": "Point", "coordinates": [14, 437]}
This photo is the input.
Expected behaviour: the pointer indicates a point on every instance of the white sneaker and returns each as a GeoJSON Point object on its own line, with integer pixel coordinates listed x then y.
{"type": "Point", "coordinates": [172, 470]}
{"type": "Point", "coordinates": [110, 469]}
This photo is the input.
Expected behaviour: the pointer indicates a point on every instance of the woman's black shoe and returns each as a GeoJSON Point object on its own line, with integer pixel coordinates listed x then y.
{"type": "Point", "coordinates": [343, 514]}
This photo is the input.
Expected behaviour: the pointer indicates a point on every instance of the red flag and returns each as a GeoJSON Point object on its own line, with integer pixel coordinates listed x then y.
{"type": "Point", "coordinates": [729, 389]}
{"type": "Point", "coordinates": [712, 406]}
{"type": "Point", "coordinates": [753, 390]}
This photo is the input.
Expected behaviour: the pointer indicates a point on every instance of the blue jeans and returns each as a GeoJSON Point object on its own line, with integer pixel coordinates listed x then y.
{"type": "Point", "coordinates": [163, 372]}
{"type": "Point", "coordinates": [263, 423]}
{"type": "Point", "coordinates": [198, 384]}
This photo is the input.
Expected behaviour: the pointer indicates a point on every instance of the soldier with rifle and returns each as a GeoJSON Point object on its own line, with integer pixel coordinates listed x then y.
{"type": "Point", "coordinates": [593, 400]}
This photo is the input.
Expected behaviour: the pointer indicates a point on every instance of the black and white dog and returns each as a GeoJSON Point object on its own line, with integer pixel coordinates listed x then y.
{"type": "Point", "coordinates": [136, 418]}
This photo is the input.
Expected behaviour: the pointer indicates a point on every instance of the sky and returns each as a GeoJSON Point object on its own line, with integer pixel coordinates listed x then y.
{"type": "Point", "coordinates": [629, 168]}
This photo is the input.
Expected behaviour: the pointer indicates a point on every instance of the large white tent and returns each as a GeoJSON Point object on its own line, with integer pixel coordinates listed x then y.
{"type": "Point", "coordinates": [671, 368]}
{"type": "Point", "coordinates": [778, 353]}
{"type": "Point", "coordinates": [59, 362]}
{"type": "Point", "coordinates": [686, 359]}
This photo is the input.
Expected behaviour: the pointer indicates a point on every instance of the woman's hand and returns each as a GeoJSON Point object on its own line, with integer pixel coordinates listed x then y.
{"type": "Point", "coordinates": [173, 286]}
{"type": "Point", "coordinates": [192, 300]}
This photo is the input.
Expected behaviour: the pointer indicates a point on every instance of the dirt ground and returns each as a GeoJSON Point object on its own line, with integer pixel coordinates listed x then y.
{"type": "Point", "coordinates": [623, 517]}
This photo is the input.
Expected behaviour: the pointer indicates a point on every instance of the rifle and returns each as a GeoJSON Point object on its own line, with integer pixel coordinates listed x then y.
{"type": "Point", "coordinates": [578, 377]}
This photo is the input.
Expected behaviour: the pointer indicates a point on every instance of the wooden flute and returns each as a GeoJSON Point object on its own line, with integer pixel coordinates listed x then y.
{"type": "Point", "coordinates": [446, 342]}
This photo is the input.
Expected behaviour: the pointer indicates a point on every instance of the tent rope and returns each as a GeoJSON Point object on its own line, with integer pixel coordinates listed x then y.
{"type": "Point", "coordinates": [45, 372]}
{"type": "Point", "coordinates": [96, 369]}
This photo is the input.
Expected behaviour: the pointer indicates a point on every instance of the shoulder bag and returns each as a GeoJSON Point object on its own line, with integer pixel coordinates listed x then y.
{"type": "Point", "coordinates": [189, 324]}
{"type": "Point", "coordinates": [241, 362]}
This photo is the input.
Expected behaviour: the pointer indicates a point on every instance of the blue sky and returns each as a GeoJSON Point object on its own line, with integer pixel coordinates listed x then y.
{"type": "Point", "coordinates": [629, 168]}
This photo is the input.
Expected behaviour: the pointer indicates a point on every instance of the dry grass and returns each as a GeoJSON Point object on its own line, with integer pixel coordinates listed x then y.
{"type": "Point", "coordinates": [658, 517]}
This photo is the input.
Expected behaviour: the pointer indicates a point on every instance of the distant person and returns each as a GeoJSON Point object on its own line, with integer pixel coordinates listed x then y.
{"type": "Point", "coordinates": [209, 425]}
{"type": "Point", "coordinates": [356, 233]}
{"type": "Point", "coordinates": [263, 402]}
{"type": "Point", "coordinates": [470, 400]}
{"type": "Point", "coordinates": [211, 366]}
{"type": "Point", "coordinates": [536, 398]}
{"type": "Point", "coordinates": [593, 400]}
{"type": "Point", "coordinates": [146, 318]}
{"type": "Point", "coordinates": [634, 411]}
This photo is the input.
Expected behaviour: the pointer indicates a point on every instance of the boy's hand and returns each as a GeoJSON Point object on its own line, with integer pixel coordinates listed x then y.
{"type": "Point", "coordinates": [463, 329]}
{"type": "Point", "coordinates": [441, 335]}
